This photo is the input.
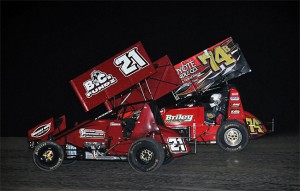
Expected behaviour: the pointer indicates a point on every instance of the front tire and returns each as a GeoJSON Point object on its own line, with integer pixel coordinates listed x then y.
{"type": "Point", "coordinates": [48, 155]}
{"type": "Point", "coordinates": [232, 136]}
{"type": "Point", "coordinates": [146, 155]}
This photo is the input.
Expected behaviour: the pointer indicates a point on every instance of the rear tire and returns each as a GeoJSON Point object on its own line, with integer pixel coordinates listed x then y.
{"type": "Point", "coordinates": [146, 155]}
{"type": "Point", "coordinates": [48, 155]}
{"type": "Point", "coordinates": [232, 136]}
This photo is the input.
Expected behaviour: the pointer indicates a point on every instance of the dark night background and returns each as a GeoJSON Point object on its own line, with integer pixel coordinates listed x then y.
{"type": "Point", "coordinates": [46, 44]}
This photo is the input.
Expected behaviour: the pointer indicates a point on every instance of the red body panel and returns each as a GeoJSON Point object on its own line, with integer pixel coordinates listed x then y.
{"type": "Point", "coordinates": [95, 131]}
{"type": "Point", "coordinates": [193, 119]}
{"type": "Point", "coordinates": [255, 126]}
{"type": "Point", "coordinates": [145, 124]}
{"type": "Point", "coordinates": [235, 107]}
{"type": "Point", "coordinates": [183, 117]}
{"type": "Point", "coordinates": [179, 146]}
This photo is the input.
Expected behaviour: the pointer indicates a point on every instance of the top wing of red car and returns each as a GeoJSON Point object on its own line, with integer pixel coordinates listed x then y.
{"type": "Point", "coordinates": [113, 76]}
{"type": "Point", "coordinates": [126, 78]}
{"type": "Point", "coordinates": [211, 67]}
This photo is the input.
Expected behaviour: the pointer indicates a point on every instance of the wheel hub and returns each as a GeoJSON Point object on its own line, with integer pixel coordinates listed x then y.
{"type": "Point", "coordinates": [233, 137]}
{"type": "Point", "coordinates": [48, 155]}
{"type": "Point", "coordinates": [146, 155]}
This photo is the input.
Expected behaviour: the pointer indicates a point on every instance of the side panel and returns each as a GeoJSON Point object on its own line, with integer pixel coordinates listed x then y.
{"type": "Point", "coordinates": [113, 76]}
{"type": "Point", "coordinates": [191, 118]}
{"type": "Point", "coordinates": [41, 131]}
{"type": "Point", "coordinates": [178, 146]}
{"type": "Point", "coordinates": [183, 117]}
{"type": "Point", "coordinates": [255, 126]}
{"type": "Point", "coordinates": [235, 107]}
{"type": "Point", "coordinates": [145, 124]}
{"type": "Point", "coordinates": [114, 133]}
{"type": "Point", "coordinates": [96, 131]}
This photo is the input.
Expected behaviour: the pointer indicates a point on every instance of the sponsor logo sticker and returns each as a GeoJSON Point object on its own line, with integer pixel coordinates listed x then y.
{"type": "Point", "coordinates": [234, 98]}
{"type": "Point", "coordinates": [236, 111]}
{"type": "Point", "coordinates": [178, 118]}
{"type": "Point", "coordinates": [41, 130]}
{"type": "Point", "coordinates": [115, 124]}
{"type": "Point", "coordinates": [91, 133]}
{"type": "Point", "coordinates": [99, 81]}
{"type": "Point", "coordinates": [235, 105]}
{"type": "Point", "coordinates": [186, 69]}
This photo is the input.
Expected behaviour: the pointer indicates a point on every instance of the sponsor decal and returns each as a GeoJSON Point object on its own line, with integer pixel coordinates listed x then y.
{"type": "Point", "coordinates": [41, 130]}
{"type": "Point", "coordinates": [91, 133]}
{"type": "Point", "coordinates": [254, 125]}
{"type": "Point", "coordinates": [99, 81]}
{"type": "Point", "coordinates": [236, 111]}
{"type": "Point", "coordinates": [130, 62]}
{"type": "Point", "coordinates": [115, 124]}
{"type": "Point", "coordinates": [235, 105]}
{"type": "Point", "coordinates": [178, 118]}
{"type": "Point", "coordinates": [186, 69]}
{"type": "Point", "coordinates": [235, 94]}
{"type": "Point", "coordinates": [176, 145]}
{"type": "Point", "coordinates": [220, 55]}
{"type": "Point", "coordinates": [234, 98]}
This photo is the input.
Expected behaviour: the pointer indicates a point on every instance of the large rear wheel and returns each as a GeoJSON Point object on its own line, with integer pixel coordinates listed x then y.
{"type": "Point", "coordinates": [146, 155]}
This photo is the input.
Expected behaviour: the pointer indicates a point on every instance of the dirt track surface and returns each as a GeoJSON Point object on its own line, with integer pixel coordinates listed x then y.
{"type": "Point", "coordinates": [269, 163]}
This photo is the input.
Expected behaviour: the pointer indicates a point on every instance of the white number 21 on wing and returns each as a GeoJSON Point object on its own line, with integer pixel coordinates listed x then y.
{"type": "Point", "coordinates": [130, 62]}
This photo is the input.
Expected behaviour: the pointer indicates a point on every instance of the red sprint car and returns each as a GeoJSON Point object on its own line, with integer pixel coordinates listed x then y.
{"type": "Point", "coordinates": [205, 111]}
{"type": "Point", "coordinates": [132, 129]}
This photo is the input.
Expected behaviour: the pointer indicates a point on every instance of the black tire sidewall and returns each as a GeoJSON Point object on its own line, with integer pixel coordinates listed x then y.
{"type": "Point", "coordinates": [58, 155]}
{"type": "Point", "coordinates": [150, 144]}
{"type": "Point", "coordinates": [237, 125]}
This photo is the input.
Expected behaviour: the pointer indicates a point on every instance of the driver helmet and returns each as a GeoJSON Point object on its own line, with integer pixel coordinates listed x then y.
{"type": "Point", "coordinates": [215, 100]}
